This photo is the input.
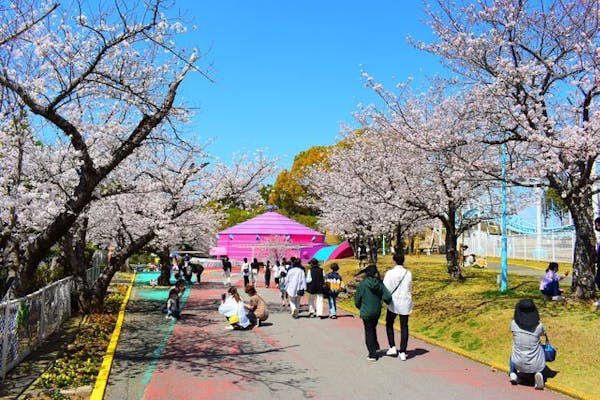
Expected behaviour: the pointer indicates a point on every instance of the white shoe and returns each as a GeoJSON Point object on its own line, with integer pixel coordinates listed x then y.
{"type": "Point", "coordinates": [514, 379]}
{"type": "Point", "coordinates": [229, 328]}
{"type": "Point", "coordinates": [539, 381]}
{"type": "Point", "coordinates": [392, 351]}
{"type": "Point", "coordinates": [402, 356]}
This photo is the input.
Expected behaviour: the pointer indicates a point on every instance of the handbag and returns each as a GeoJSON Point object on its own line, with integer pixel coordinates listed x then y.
{"type": "Point", "coordinates": [300, 292]}
{"type": "Point", "coordinates": [549, 350]}
{"type": "Point", "coordinates": [234, 319]}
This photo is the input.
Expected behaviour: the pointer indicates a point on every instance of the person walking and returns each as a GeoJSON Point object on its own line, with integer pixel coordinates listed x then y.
{"type": "Point", "coordinates": [315, 281]}
{"type": "Point", "coordinates": [398, 281]}
{"type": "Point", "coordinates": [226, 271]}
{"type": "Point", "coordinates": [295, 286]}
{"type": "Point", "coordinates": [368, 297]}
{"type": "Point", "coordinates": [254, 267]}
{"type": "Point", "coordinates": [268, 274]}
{"type": "Point", "coordinates": [333, 281]}
{"type": "Point", "coordinates": [276, 272]}
{"type": "Point", "coordinates": [527, 356]}
{"type": "Point", "coordinates": [246, 272]}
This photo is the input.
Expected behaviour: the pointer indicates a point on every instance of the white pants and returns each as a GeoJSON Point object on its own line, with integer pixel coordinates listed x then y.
{"type": "Point", "coordinates": [294, 303]}
{"type": "Point", "coordinates": [226, 277]}
{"type": "Point", "coordinates": [315, 304]}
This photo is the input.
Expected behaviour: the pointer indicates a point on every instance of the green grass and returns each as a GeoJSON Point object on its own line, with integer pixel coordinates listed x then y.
{"type": "Point", "coordinates": [473, 317]}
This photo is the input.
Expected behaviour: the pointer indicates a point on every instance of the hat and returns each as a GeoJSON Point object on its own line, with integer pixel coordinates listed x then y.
{"type": "Point", "coordinates": [526, 315]}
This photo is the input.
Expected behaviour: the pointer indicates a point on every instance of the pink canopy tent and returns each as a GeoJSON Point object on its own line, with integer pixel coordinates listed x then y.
{"type": "Point", "coordinates": [269, 236]}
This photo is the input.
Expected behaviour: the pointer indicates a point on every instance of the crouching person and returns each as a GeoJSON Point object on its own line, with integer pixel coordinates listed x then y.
{"type": "Point", "coordinates": [257, 307]}
{"type": "Point", "coordinates": [527, 356]}
{"type": "Point", "coordinates": [232, 307]}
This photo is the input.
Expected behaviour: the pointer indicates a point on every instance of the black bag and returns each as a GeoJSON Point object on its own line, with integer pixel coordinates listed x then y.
{"type": "Point", "coordinates": [300, 292]}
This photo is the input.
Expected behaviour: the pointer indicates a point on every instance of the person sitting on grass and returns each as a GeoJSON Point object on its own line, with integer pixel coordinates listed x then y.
{"type": "Point", "coordinates": [173, 311]}
{"type": "Point", "coordinates": [257, 307]}
{"type": "Point", "coordinates": [527, 356]}
{"type": "Point", "coordinates": [232, 307]}
{"type": "Point", "coordinates": [549, 283]}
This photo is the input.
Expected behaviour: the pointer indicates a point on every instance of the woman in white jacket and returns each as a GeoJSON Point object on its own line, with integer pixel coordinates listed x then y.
{"type": "Point", "coordinates": [398, 281]}
{"type": "Point", "coordinates": [232, 307]}
{"type": "Point", "coordinates": [295, 286]}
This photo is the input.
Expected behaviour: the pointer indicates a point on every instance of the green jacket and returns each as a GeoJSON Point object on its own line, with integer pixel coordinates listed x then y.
{"type": "Point", "coordinates": [368, 297]}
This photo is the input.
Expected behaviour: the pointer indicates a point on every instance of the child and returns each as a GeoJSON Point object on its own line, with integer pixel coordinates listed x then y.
{"type": "Point", "coordinates": [335, 285]}
{"type": "Point", "coordinates": [549, 283]}
{"type": "Point", "coordinates": [285, 301]}
{"type": "Point", "coordinates": [173, 305]}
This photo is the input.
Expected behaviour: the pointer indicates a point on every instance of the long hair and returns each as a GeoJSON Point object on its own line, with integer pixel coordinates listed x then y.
{"type": "Point", "coordinates": [233, 292]}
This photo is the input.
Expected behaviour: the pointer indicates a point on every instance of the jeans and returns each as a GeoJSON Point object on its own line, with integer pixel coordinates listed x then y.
{"type": "Point", "coordinates": [371, 336]}
{"type": "Point", "coordinates": [551, 289]}
{"type": "Point", "coordinates": [332, 303]}
{"type": "Point", "coordinates": [390, 317]}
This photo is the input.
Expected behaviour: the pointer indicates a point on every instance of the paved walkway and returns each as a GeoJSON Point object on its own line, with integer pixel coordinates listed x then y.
{"type": "Point", "coordinates": [286, 358]}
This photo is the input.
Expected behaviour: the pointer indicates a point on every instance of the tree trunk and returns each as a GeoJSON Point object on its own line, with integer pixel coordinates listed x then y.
{"type": "Point", "coordinates": [452, 261]}
{"type": "Point", "coordinates": [100, 287]}
{"type": "Point", "coordinates": [165, 267]}
{"type": "Point", "coordinates": [584, 256]}
{"type": "Point", "coordinates": [73, 247]}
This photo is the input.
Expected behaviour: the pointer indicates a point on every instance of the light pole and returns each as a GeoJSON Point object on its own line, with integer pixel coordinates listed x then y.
{"type": "Point", "coordinates": [503, 248]}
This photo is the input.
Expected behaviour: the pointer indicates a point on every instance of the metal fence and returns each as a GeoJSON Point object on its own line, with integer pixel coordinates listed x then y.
{"type": "Point", "coordinates": [545, 247]}
{"type": "Point", "coordinates": [28, 321]}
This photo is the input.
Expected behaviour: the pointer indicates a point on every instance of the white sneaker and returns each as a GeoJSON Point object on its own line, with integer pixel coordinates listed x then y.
{"type": "Point", "coordinates": [557, 298]}
{"type": "Point", "coordinates": [539, 381]}
{"type": "Point", "coordinates": [392, 351]}
{"type": "Point", "coordinates": [229, 328]}
{"type": "Point", "coordinates": [514, 379]}
{"type": "Point", "coordinates": [402, 356]}
{"type": "Point", "coordinates": [597, 304]}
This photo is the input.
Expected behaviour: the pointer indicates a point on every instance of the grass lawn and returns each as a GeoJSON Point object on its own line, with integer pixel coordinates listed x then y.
{"type": "Point", "coordinates": [473, 318]}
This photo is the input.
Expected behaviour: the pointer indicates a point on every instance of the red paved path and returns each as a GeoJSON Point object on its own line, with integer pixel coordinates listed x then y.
{"type": "Point", "coordinates": [291, 359]}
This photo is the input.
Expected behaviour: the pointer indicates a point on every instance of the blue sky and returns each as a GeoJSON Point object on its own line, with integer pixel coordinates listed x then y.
{"type": "Point", "coordinates": [287, 74]}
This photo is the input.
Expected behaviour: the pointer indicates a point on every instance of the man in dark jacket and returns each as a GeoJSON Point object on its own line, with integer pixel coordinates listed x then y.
{"type": "Point", "coordinates": [315, 281]}
{"type": "Point", "coordinates": [367, 299]}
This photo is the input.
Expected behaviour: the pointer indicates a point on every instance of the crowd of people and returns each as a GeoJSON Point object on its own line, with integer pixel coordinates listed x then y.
{"type": "Point", "coordinates": [293, 280]}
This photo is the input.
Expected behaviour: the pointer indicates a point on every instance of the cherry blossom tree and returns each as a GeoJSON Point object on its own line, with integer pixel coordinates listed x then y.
{"type": "Point", "coordinates": [94, 83]}
{"type": "Point", "coordinates": [533, 69]}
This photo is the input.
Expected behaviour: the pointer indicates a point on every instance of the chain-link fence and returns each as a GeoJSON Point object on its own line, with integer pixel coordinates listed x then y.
{"type": "Point", "coordinates": [26, 322]}
{"type": "Point", "coordinates": [545, 247]}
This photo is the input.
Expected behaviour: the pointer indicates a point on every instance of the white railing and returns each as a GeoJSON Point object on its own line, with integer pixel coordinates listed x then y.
{"type": "Point", "coordinates": [545, 247]}
{"type": "Point", "coordinates": [27, 321]}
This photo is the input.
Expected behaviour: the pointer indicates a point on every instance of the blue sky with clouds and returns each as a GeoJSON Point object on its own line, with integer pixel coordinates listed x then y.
{"type": "Point", "coordinates": [288, 73]}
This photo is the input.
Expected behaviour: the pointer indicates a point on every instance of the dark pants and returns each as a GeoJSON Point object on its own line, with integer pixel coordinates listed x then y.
{"type": "Point", "coordinates": [551, 289]}
{"type": "Point", "coordinates": [371, 336]}
{"type": "Point", "coordinates": [246, 280]}
{"type": "Point", "coordinates": [390, 317]}
{"type": "Point", "coordinates": [267, 280]}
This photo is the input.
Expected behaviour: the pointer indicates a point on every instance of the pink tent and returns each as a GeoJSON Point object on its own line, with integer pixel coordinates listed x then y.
{"type": "Point", "coordinates": [269, 236]}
